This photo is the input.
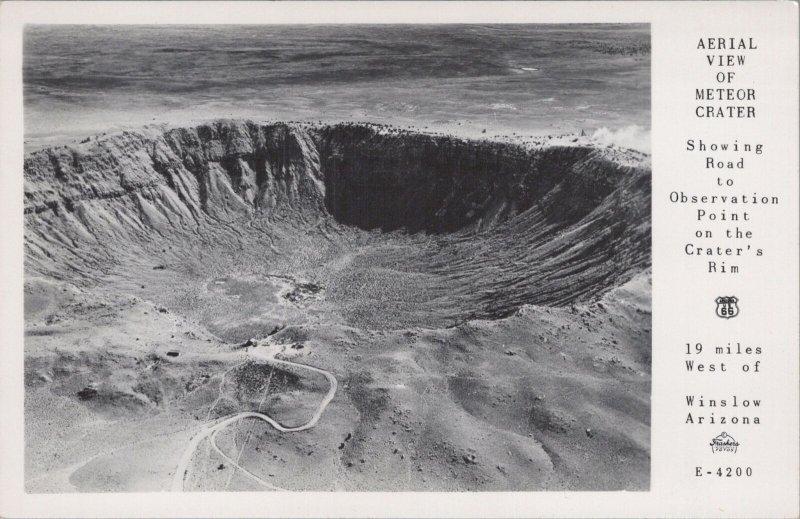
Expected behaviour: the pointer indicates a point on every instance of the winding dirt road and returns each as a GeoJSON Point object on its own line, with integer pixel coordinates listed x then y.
{"type": "Point", "coordinates": [211, 429]}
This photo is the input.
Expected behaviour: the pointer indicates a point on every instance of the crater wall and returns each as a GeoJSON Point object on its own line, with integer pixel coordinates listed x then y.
{"type": "Point", "coordinates": [515, 224]}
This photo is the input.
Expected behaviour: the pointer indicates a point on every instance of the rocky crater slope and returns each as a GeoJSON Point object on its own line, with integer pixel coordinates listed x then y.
{"type": "Point", "coordinates": [503, 225]}
{"type": "Point", "coordinates": [484, 305]}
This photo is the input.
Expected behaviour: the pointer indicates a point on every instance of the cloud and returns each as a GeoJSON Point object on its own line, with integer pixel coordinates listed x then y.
{"type": "Point", "coordinates": [633, 136]}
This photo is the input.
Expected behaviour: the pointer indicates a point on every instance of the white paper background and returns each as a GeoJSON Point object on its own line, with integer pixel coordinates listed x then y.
{"type": "Point", "coordinates": [682, 294]}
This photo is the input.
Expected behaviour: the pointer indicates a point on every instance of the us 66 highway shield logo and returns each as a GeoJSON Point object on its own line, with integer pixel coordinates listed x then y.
{"type": "Point", "coordinates": [727, 307]}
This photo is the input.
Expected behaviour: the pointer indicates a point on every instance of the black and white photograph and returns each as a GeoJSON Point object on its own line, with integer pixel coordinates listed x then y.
{"type": "Point", "coordinates": [337, 257]}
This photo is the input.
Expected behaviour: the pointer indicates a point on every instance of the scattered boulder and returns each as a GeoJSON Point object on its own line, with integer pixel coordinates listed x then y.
{"type": "Point", "coordinates": [302, 292]}
{"type": "Point", "coordinates": [248, 343]}
{"type": "Point", "coordinates": [88, 392]}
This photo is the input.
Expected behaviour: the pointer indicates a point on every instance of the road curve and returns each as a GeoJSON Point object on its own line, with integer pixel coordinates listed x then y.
{"type": "Point", "coordinates": [211, 429]}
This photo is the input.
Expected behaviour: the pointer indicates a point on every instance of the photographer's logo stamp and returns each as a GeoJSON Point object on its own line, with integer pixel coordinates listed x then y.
{"type": "Point", "coordinates": [727, 307]}
{"type": "Point", "coordinates": [724, 442]}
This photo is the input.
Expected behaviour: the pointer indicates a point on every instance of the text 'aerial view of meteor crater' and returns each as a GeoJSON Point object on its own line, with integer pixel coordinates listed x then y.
{"type": "Point", "coordinates": [337, 258]}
